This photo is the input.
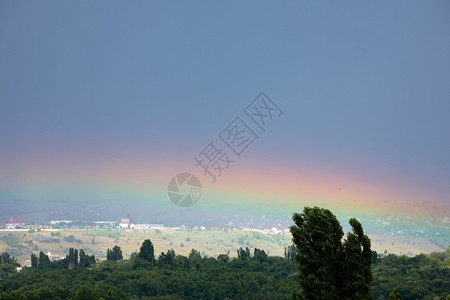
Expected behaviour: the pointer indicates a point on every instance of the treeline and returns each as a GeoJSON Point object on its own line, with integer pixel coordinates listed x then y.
{"type": "Point", "coordinates": [72, 260]}
{"type": "Point", "coordinates": [419, 277]}
{"type": "Point", "coordinates": [251, 275]}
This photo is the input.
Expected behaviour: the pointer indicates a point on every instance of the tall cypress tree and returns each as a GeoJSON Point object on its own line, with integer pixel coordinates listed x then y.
{"type": "Point", "coordinates": [330, 269]}
{"type": "Point", "coordinates": [357, 259]}
{"type": "Point", "coordinates": [34, 261]}
{"type": "Point", "coordinates": [44, 261]}
{"type": "Point", "coordinates": [86, 260]}
{"type": "Point", "coordinates": [147, 251]}
{"type": "Point", "coordinates": [72, 257]}
{"type": "Point", "coordinates": [317, 235]}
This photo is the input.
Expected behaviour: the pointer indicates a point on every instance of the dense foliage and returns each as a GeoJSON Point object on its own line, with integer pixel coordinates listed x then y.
{"type": "Point", "coordinates": [418, 277]}
{"type": "Point", "coordinates": [252, 275]}
{"type": "Point", "coordinates": [114, 254]}
{"type": "Point", "coordinates": [180, 277]}
{"type": "Point", "coordinates": [331, 268]}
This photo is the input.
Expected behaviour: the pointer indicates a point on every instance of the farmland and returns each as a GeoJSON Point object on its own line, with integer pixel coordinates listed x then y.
{"type": "Point", "coordinates": [208, 242]}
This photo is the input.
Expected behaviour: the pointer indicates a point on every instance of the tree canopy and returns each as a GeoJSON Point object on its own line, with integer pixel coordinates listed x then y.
{"type": "Point", "coordinates": [148, 252]}
{"type": "Point", "coordinates": [114, 254]}
{"type": "Point", "coordinates": [329, 267]}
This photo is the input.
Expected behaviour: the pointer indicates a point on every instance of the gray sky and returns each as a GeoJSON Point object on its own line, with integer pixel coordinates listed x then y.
{"type": "Point", "coordinates": [364, 85]}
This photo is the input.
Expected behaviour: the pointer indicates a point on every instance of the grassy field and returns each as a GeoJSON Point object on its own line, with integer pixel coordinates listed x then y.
{"type": "Point", "coordinates": [209, 242]}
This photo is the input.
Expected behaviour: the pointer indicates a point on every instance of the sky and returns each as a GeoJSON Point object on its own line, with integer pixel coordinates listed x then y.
{"type": "Point", "coordinates": [102, 103]}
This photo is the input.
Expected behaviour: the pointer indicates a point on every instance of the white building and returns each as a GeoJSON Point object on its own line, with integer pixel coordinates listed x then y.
{"type": "Point", "coordinates": [54, 222]}
{"type": "Point", "coordinates": [124, 223]}
{"type": "Point", "coordinates": [13, 224]}
{"type": "Point", "coordinates": [156, 226]}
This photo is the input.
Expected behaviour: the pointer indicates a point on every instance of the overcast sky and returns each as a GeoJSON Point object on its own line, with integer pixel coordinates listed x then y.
{"type": "Point", "coordinates": [364, 86]}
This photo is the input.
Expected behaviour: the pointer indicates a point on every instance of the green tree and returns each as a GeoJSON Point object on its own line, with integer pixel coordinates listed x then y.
{"type": "Point", "coordinates": [44, 261]}
{"type": "Point", "coordinates": [290, 253]}
{"type": "Point", "coordinates": [5, 258]}
{"type": "Point", "coordinates": [224, 258]}
{"type": "Point", "coordinates": [34, 261]}
{"type": "Point", "coordinates": [147, 251]}
{"type": "Point", "coordinates": [357, 259]}
{"type": "Point", "coordinates": [317, 235]}
{"type": "Point", "coordinates": [260, 255]}
{"type": "Point", "coordinates": [72, 257]}
{"type": "Point", "coordinates": [86, 260]}
{"type": "Point", "coordinates": [330, 268]}
{"type": "Point", "coordinates": [395, 295]}
{"type": "Point", "coordinates": [243, 254]}
{"type": "Point", "coordinates": [195, 259]}
{"type": "Point", "coordinates": [83, 259]}
{"type": "Point", "coordinates": [115, 254]}
{"type": "Point", "coordinates": [167, 258]}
